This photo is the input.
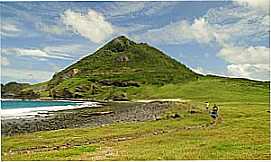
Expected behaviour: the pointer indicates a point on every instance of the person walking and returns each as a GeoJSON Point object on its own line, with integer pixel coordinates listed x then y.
{"type": "Point", "coordinates": [214, 113]}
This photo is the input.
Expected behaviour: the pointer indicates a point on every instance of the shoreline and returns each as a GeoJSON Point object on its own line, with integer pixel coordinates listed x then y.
{"type": "Point", "coordinates": [48, 99]}
{"type": "Point", "coordinates": [30, 112]}
{"type": "Point", "coordinates": [109, 113]}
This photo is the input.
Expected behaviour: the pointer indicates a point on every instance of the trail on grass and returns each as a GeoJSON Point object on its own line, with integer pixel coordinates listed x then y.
{"type": "Point", "coordinates": [108, 139]}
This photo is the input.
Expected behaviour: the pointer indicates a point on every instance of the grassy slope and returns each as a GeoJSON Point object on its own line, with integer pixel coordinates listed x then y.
{"type": "Point", "coordinates": [243, 132]}
{"type": "Point", "coordinates": [146, 66]}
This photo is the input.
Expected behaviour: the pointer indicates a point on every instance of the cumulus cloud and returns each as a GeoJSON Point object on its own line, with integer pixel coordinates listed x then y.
{"type": "Point", "coordinates": [240, 30]}
{"type": "Point", "coordinates": [9, 30]}
{"type": "Point", "coordinates": [250, 62]}
{"type": "Point", "coordinates": [242, 55]}
{"type": "Point", "coordinates": [239, 25]}
{"type": "Point", "coordinates": [251, 71]}
{"type": "Point", "coordinates": [92, 25]}
{"type": "Point", "coordinates": [4, 61]}
{"type": "Point", "coordinates": [180, 32]}
{"type": "Point", "coordinates": [232, 24]}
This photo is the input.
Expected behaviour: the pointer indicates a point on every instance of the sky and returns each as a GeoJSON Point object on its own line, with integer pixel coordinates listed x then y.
{"type": "Point", "coordinates": [225, 38]}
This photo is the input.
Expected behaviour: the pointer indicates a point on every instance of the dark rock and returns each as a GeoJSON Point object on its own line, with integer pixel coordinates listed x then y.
{"type": "Point", "coordinates": [175, 115]}
{"type": "Point", "coordinates": [119, 83]}
{"type": "Point", "coordinates": [122, 59]}
{"type": "Point", "coordinates": [121, 97]}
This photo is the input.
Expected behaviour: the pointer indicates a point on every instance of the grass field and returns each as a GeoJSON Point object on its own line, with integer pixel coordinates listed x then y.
{"type": "Point", "coordinates": [242, 132]}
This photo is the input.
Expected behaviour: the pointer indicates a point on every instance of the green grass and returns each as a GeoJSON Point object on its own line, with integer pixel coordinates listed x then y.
{"type": "Point", "coordinates": [243, 133]}
{"type": "Point", "coordinates": [209, 89]}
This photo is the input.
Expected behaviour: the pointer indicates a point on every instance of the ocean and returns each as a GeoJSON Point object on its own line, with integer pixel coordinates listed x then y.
{"type": "Point", "coordinates": [28, 108]}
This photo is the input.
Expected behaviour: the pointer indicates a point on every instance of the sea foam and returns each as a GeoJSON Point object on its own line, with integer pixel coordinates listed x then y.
{"type": "Point", "coordinates": [31, 112]}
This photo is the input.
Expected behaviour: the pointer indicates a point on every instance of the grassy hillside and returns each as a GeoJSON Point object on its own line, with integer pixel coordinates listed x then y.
{"type": "Point", "coordinates": [121, 63]}
{"type": "Point", "coordinates": [125, 70]}
{"type": "Point", "coordinates": [242, 132]}
{"type": "Point", "coordinates": [207, 89]}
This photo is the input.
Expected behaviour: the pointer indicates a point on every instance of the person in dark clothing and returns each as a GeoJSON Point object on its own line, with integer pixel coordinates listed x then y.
{"type": "Point", "coordinates": [214, 112]}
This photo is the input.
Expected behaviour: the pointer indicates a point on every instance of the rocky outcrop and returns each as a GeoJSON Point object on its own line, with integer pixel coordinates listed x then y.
{"type": "Point", "coordinates": [71, 73]}
{"type": "Point", "coordinates": [63, 93]}
{"type": "Point", "coordinates": [12, 89]}
{"type": "Point", "coordinates": [120, 97]}
{"type": "Point", "coordinates": [119, 83]}
{"type": "Point", "coordinates": [87, 117]}
{"type": "Point", "coordinates": [27, 94]}
{"type": "Point", "coordinates": [122, 59]}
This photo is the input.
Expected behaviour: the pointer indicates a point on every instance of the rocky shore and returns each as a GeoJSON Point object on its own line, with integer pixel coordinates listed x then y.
{"type": "Point", "coordinates": [111, 112]}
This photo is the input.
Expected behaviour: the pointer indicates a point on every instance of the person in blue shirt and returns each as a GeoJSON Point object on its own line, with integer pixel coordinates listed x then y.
{"type": "Point", "coordinates": [214, 113]}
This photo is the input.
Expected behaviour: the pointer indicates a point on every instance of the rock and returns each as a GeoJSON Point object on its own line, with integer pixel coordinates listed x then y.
{"type": "Point", "coordinates": [120, 97]}
{"type": "Point", "coordinates": [175, 115]}
{"type": "Point", "coordinates": [71, 73]}
{"type": "Point", "coordinates": [119, 83]}
{"type": "Point", "coordinates": [122, 59]}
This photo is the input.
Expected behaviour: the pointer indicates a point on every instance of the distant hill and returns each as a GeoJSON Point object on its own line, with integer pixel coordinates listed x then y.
{"type": "Point", "coordinates": [125, 70]}
{"type": "Point", "coordinates": [120, 63]}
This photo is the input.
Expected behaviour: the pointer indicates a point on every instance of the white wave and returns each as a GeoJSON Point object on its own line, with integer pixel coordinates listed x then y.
{"type": "Point", "coordinates": [31, 112]}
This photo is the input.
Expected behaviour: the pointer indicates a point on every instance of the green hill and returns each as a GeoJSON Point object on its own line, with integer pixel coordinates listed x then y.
{"type": "Point", "coordinates": [125, 70]}
{"type": "Point", "coordinates": [119, 64]}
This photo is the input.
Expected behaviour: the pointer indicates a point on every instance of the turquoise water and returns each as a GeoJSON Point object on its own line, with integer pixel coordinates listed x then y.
{"type": "Point", "coordinates": [33, 104]}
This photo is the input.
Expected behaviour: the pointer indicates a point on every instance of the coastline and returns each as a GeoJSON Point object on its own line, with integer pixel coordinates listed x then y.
{"type": "Point", "coordinates": [30, 112]}
{"type": "Point", "coordinates": [109, 113]}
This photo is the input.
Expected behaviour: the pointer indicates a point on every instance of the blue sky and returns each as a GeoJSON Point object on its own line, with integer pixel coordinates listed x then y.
{"type": "Point", "coordinates": [228, 38]}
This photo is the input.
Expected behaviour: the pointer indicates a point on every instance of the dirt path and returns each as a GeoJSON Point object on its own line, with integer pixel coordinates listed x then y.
{"type": "Point", "coordinates": [107, 139]}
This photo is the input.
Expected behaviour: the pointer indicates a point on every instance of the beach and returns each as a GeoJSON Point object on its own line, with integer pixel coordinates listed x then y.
{"type": "Point", "coordinates": [85, 115]}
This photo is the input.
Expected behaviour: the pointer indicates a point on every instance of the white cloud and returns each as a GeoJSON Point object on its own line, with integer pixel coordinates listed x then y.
{"type": "Point", "coordinates": [231, 24]}
{"type": "Point", "coordinates": [123, 8]}
{"type": "Point", "coordinates": [51, 29]}
{"type": "Point", "coordinates": [251, 71]}
{"type": "Point", "coordinates": [64, 50]}
{"type": "Point", "coordinates": [239, 25]}
{"type": "Point", "coordinates": [133, 9]}
{"type": "Point", "coordinates": [34, 53]}
{"type": "Point", "coordinates": [4, 61]}
{"type": "Point", "coordinates": [242, 55]}
{"type": "Point", "coordinates": [9, 30]}
{"type": "Point", "coordinates": [180, 32]}
{"type": "Point", "coordinates": [26, 74]}
{"type": "Point", "coordinates": [250, 62]}
{"type": "Point", "coordinates": [92, 25]}
{"type": "Point", "coordinates": [241, 31]}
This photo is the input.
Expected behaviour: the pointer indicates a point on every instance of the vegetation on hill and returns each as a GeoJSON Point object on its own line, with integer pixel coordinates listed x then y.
{"type": "Point", "coordinates": [124, 70]}
{"type": "Point", "coordinates": [119, 64]}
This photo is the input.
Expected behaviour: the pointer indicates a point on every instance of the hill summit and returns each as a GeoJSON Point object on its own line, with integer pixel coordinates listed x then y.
{"type": "Point", "coordinates": [118, 66]}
